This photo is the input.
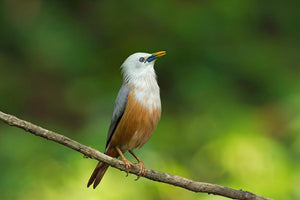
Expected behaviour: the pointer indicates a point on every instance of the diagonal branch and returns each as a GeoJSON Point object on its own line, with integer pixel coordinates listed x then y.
{"type": "Point", "coordinates": [150, 174]}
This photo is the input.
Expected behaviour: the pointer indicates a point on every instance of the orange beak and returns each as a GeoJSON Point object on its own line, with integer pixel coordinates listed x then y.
{"type": "Point", "coordinates": [159, 54]}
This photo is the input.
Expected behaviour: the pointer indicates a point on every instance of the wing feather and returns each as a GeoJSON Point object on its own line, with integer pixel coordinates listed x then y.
{"type": "Point", "coordinates": [120, 105]}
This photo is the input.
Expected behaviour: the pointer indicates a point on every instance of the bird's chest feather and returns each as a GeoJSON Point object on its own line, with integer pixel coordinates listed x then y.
{"type": "Point", "coordinates": [140, 118]}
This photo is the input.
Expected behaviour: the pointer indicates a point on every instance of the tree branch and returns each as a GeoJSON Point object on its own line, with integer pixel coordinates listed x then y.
{"type": "Point", "coordinates": [150, 174]}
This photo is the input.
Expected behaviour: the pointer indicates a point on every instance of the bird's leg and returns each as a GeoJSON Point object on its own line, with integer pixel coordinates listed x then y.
{"type": "Point", "coordinates": [142, 171]}
{"type": "Point", "coordinates": [127, 163]}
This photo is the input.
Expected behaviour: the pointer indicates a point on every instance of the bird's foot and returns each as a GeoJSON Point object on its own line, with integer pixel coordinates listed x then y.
{"type": "Point", "coordinates": [128, 165]}
{"type": "Point", "coordinates": [142, 171]}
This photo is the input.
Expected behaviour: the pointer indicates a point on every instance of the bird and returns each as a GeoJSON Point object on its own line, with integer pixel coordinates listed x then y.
{"type": "Point", "coordinates": [136, 113]}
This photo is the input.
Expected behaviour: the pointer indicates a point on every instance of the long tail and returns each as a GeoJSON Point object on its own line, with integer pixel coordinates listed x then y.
{"type": "Point", "coordinates": [101, 168]}
{"type": "Point", "coordinates": [98, 174]}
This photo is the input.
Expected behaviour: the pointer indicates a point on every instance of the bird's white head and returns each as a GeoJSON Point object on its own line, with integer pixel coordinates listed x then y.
{"type": "Point", "coordinates": [140, 66]}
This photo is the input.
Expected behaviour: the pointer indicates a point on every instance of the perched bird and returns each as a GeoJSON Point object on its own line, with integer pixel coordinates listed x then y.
{"type": "Point", "coordinates": [136, 112]}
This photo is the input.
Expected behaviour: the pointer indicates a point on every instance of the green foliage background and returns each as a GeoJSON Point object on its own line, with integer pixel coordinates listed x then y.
{"type": "Point", "coordinates": [229, 87]}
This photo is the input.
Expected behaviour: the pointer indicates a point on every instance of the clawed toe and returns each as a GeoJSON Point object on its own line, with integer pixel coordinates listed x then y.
{"type": "Point", "coordinates": [142, 170]}
{"type": "Point", "coordinates": [128, 165]}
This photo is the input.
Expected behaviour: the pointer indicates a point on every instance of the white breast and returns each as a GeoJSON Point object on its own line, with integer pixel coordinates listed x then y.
{"type": "Point", "coordinates": [146, 91]}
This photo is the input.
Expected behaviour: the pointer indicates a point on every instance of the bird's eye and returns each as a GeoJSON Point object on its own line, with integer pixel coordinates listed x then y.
{"type": "Point", "coordinates": [141, 59]}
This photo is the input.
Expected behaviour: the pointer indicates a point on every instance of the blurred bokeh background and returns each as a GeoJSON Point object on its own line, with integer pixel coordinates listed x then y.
{"type": "Point", "coordinates": [230, 90]}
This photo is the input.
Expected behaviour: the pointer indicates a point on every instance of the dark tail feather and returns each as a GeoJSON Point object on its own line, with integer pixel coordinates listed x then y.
{"type": "Point", "coordinates": [98, 174]}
